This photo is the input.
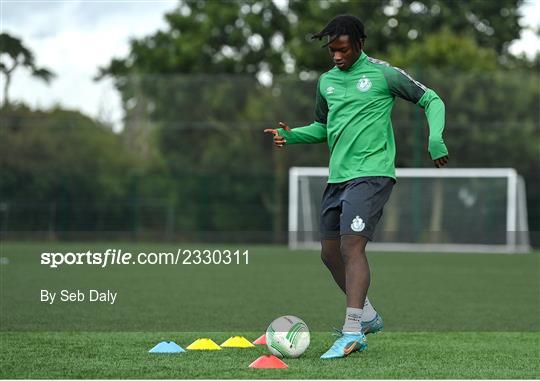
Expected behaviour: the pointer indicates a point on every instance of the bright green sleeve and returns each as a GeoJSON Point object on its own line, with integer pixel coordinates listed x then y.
{"type": "Point", "coordinates": [434, 108]}
{"type": "Point", "coordinates": [313, 133]}
{"type": "Point", "coordinates": [316, 131]}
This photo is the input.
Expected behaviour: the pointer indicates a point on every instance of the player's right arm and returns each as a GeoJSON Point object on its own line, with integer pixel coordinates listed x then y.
{"type": "Point", "coordinates": [313, 133]}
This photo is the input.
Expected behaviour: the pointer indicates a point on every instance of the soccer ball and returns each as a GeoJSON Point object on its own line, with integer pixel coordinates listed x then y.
{"type": "Point", "coordinates": [287, 336]}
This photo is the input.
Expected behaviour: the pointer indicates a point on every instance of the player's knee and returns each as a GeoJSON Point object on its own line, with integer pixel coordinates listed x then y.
{"type": "Point", "coordinates": [351, 246]}
{"type": "Point", "coordinates": [330, 252]}
{"type": "Point", "coordinates": [327, 257]}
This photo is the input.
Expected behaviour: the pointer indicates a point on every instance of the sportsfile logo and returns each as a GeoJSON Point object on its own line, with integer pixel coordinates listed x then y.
{"type": "Point", "coordinates": [108, 257]}
{"type": "Point", "coordinates": [119, 257]}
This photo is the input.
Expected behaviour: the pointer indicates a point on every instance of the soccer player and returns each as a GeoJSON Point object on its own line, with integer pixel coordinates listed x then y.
{"type": "Point", "coordinates": [354, 102]}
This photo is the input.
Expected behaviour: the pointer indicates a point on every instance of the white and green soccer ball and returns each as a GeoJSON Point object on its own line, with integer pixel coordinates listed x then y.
{"type": "Point", "coordinates": [287, 336]}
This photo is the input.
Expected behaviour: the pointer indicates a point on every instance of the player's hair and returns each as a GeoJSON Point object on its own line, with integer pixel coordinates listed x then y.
{"type": "Point", "coordinates": [343, 25]}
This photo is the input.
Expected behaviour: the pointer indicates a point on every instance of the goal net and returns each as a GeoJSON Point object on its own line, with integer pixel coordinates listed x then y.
{"type": "Point", "coordinates": [451, 210]}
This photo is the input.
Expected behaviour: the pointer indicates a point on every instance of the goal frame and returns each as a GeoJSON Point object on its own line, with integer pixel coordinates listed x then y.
{"type": "Point", "coordinates": [515, 199]}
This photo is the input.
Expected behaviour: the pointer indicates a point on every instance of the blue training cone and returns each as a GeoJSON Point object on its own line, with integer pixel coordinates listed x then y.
{"type": "Point", "coordinates": [167, 347]}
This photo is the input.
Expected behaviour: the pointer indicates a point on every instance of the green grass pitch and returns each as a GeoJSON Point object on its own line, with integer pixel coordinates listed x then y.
{"type": "Point", "coordinates": [446, 315]}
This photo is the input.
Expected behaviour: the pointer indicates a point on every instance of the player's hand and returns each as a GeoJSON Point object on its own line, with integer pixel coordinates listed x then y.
{"type": "Point", "coordinates": [278, 140]}
{"type": "Point", "coordinates": [441, 162]}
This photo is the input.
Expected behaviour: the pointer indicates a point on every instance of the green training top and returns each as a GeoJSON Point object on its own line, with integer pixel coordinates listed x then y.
{"type": "Point", "coordinates": [353, 110]}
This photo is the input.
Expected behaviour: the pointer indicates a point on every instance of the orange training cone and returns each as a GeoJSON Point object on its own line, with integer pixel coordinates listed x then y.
{"type": "Point", "coordinates": [268, 362]}
{"type": "Point", "coordinates": [261, 340]}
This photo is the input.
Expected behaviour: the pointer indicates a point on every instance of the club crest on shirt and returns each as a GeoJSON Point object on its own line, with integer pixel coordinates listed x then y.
{"type": "Point", "coordinates": [363, 84]}
{"type": "Point", "coordinates": [357, 224]}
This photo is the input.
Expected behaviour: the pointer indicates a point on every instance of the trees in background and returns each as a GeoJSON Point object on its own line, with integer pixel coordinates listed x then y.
{"type": "Point", "coordinates": [62, 168]}
{"type": "Point", "coordinates": [198, 94]}
{"type": "Point", "coordinates": [13, 55]}
{"type": "Point", "coordinates": [402, 23]}
{"type": "Point", "coordinates": [209, 123]}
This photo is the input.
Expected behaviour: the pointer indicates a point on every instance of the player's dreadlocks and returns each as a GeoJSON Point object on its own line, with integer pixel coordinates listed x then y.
{"type": "Point", "coordinates": [343, 25]}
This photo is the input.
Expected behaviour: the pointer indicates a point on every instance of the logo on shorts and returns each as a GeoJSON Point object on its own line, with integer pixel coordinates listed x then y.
{"type": "Point", "coordinates": [363, 84]}
{"type": "Point", "coordinates": [358, 224]}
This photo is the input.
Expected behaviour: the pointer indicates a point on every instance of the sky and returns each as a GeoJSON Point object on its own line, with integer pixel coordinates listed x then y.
{"type": "Point", "coordinates": [76, 37]}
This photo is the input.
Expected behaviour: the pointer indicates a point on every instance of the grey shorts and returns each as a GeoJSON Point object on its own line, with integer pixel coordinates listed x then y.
{"type": "Point", "coordinates": [354, 207]}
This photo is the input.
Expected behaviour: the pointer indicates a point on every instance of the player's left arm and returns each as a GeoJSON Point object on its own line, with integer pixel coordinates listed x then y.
{"type": "Point", "coordinates": [435, 112]}
{"type": "Point", "coordinates": [404, 86]}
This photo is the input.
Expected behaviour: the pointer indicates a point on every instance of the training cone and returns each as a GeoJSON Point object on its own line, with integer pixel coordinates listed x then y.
{"type": "Point", "coordinates": [237, 342]}
{"type": "Point", "coordinates": [167, 347]}
{"type": "Point", "coordinates": [261, 340]}
{"type": "Point", "coordinates": [268, 362]}
{"type": "Point", "coordinates": [204, 345]}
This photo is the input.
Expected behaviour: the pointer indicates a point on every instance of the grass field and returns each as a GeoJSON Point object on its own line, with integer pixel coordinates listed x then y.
{"type": "Point", "coordinates": [390, 355]}
{"type": "Point", "coordinates": [446, 315]}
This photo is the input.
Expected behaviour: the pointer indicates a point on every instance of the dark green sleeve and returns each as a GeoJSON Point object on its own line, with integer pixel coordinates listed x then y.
{"type": "Point", "coordinates": [316, 131]}
{"type": "Point", "coordinates": [404, 86]}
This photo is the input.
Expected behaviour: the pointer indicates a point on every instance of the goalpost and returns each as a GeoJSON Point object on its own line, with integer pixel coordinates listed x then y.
{"type": "Point", "coordinates": [440, 210]}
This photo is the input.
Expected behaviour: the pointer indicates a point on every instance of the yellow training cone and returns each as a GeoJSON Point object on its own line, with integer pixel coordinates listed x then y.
{"type": "Point", "coordinates": [237, 342]}
{"type": "Point", "coordinates": [204, 345]}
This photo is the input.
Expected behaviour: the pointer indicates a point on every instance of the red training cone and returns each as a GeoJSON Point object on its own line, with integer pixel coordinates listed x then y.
{"type": "Point", "coordinates": [261, 340]}
{"type": "Point", "coordinates": [268, 362]}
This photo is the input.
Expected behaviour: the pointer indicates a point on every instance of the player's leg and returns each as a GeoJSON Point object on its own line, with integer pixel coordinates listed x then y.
{"type": "Point", "coordinates": [329, 230]}
{"type": "Point", "coordinates": [371, 321]}
{"type": "Point", "coordinates": [356, 270]}
{"type": "Point", "coordinates": [357, 274]}
{"type": "Point", "coordinates": [361, 208]}
{"type": "Point", "coordinates": [330, 234]}
{"type": "Point", "coordinates": [331, 257]}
